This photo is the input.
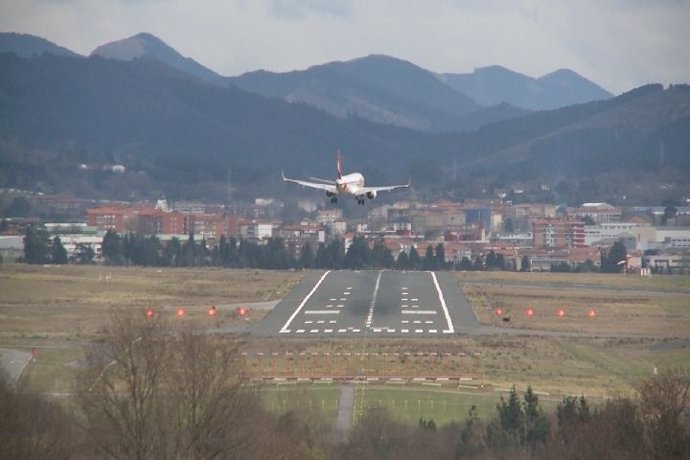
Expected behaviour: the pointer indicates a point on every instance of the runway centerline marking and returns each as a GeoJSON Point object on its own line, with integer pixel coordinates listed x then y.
{"type": "Point", "coordinates": [284, 329]}
{"type": "Point", "coordinates": [370, 318]}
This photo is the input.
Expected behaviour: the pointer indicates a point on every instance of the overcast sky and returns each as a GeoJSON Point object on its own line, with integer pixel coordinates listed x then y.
{"type": "Point", "coordinates": [619, 44]}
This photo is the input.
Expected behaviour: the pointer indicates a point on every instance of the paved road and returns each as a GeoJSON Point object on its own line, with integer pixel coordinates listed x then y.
{"type": "Point", "coordinates": [343, 420]}
{"type": "Point", "coordinates": [14, 362]}
{"type": "Point", "coordinates": [371, 303]}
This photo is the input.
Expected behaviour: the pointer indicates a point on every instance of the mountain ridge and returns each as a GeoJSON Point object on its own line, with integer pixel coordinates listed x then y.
{"type": "Point", "coordinates": [495, 84]}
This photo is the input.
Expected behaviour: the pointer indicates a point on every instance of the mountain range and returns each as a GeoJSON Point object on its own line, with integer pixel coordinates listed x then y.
{"type": "Point", "coordinates": [188, 136]}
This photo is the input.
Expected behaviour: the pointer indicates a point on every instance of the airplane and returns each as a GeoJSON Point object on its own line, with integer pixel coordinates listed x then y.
{"type": "Point", "coordinates": [348, 184]}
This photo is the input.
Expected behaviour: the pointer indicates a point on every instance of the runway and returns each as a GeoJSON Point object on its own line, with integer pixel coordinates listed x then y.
{"type": "Point", "coordinates": [381, 303]}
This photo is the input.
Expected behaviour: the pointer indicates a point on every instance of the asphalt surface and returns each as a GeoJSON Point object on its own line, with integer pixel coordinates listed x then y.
{"type": "Point", "coordinates": [343, 421]}
{"type": "Point", "coordinates": [373, 304]}
{"type": "Point", "coordinates": [14, 362]}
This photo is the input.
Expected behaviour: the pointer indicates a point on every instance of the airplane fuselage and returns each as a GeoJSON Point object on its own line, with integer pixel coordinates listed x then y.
{"type": "Point", "coordinates": [349, 184]}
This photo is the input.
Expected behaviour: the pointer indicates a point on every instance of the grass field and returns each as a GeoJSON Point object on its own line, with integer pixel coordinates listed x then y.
{"type": "Point", "coordinates": [641, 324]}
{"type": "Point", "coordinates": [73, 302]}
{"type": "Point", "coordinates": [621, 306]}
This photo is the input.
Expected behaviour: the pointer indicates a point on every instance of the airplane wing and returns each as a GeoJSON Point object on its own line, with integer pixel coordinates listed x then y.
{"type": "Point", "coordinates": [387, 188]}
{"type": "Point", "coordinates": [327, 187]}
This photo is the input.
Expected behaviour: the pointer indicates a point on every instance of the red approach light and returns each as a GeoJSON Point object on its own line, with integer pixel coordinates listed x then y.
{"type": "Point", "coordinates": [591, 313]}
{"type": "Point", "coordinates": [149, 312]}
{"type": "Point", "coordinates": [180, 312]}
{"type": "Point", "coordinates": [212, 311]}
{"type": "Point", "coordinates": [242, 312]}
{"type": "Point", "coordinates": [529, 312]}
{"type": "Point", "coordinates": [560, 313]}
{"type": "Point", "coordinates": [498, 311]}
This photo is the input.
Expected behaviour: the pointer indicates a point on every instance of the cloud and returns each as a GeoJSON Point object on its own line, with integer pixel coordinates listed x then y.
{"type": "Point", "coordinates": [294, 10]}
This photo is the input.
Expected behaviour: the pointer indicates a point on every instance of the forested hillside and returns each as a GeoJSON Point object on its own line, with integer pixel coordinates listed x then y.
{"type": "Point", "coordinates": [181, 137]}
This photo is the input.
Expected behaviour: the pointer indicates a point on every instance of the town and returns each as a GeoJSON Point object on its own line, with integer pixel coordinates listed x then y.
{"type": "Point", "coordinates": [407, 234]}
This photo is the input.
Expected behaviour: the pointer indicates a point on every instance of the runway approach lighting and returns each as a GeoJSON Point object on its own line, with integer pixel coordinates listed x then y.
{"type": "Point", "coordinates": [591, 313]}
{"type": "Point", "coordinates": [529, 312]}
{"type": "Point", "coordinates": [242, 312]}
{"type": "Point", "coordinates": [498, 311]}
{"type": "Point", "coordinates": [149, 313]}
{"type": "Point", "coordinates": [212, 311]}
{"type": "Point", "coordinates": [180, 312]}
{"type": "Point", "coordinates": [560, 313]}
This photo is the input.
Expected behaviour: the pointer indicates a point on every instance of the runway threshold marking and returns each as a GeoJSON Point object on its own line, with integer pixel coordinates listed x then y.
{"type": "Point", "coordinates": [419, 312]}
{"type": "Point", "coordinates": [284, 329]}
{"type": "Point", "coordinates": [321, 312]}
{"type": "Point", "coordinates": [451, 329]}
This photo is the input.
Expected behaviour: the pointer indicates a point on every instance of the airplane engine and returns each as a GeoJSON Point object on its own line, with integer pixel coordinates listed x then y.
{"type": "Point", "coordinates": [330, 194]}
{"type": "Point", "coordinates": [371, 194]}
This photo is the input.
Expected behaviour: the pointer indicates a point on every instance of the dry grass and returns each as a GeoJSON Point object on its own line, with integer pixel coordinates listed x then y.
{"type": "Point", "coordinates": [629, 311]}
{"type": "Point", "coordinates": [69, 302]}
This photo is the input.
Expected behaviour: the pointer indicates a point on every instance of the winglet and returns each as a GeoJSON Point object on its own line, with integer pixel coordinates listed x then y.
{"type": "Point", "coordinates": [282, 174]}
{"type": "Point", "coordinates": [340, 169]}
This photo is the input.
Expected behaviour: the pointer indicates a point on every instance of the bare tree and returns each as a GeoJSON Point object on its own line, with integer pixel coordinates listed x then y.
{"type": "Point", "coordinates": [120, 389]}
{"type": "Point", "coordinates": [665, 413]}
{"type": "Point", "coordinates": [31, 427]}
{"type": "Point", "coordinates": [152, 392]}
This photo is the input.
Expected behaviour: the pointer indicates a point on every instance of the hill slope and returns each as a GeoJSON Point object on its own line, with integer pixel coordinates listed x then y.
{"type": "Point", "coordinates": [147, 46]}
{"type": "Point", "coordinates": [27, 46]}
{"type": "Point", "coordinates": [495, 84]}
{"type": "Point", "coordinates": [181, 137]}
{"type": "Point", "coordinates": [379, 88]}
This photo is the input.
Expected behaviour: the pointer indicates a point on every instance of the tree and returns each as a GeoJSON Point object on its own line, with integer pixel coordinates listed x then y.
{"type": "Point", "coordinates": [525, 265]}
{"type": "Point", "coordinates": [665, 413]}
{"type": "Point", "coordinates": [440, 256]}
{"type": "Point", "coordinates": [380, 256]}
{"type": "Point", "coordinates": [465, 264]}
{"type": "Point", "coordinates": [536, 424]}
{"type": "Point", "coordinates": [307, 257]}
{"type": "Point", "coordinates": [429, 262]}
{"type": "Point", "coordinates": [357, 256]}
{"type": "Point", "coordinates": [19, 207]}
{"type": "Point", "coordinates": [415, 262]}
{"type": "Point", "coordinates": [58, 254]}
{"type": "Point", "coordinates": [37, 249]}
{"type": "Point", "coordinates": [610, 262]}
{"type": "Point", "coordinates": [32, 427]}
{"type": "Point", "coordinates": [84, 254]}
{"type": "Point", "coordinates": [112, 248]}
{"type": "Point", "coordinates": [508, 430]}
{"type": "Point", "coordinates": [126, 387]}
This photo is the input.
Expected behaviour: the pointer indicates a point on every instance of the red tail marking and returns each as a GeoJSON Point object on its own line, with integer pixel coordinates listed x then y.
{"type": "Point", "coordinates": [340, 169]}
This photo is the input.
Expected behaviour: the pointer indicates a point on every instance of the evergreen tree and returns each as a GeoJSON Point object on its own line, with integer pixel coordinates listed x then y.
{"type": "Point", "coordinates": [429, 262]}
{"type": "Point", "coordinates": [380, 256]}
{"type": "Point", "coordinates": [610, 262]}
{"type": "Point", "coordinates": [307, 256]}
{"type": "Point", "coordinates": [58, 253]}
{"type": "Point", "coordinates": [440, 257]}
{"type": "Point", "coordinates": [37, 249]}
{"type": "Point", "coordinates": [465, 264]}
{"type": "Point", "coordinates": [357, 256]}
{"type": "Point", "coordinates": [536, 424]}
{"type": "Point", "coordinates": [414, 259]}
{"type": "Point", "coordinates": [403, 262]}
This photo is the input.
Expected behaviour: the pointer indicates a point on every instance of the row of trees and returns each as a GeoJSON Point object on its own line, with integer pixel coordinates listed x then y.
{"type": "Point", "coordinates": [148, 390]}
{"type": "Point", "coordinates": [136, 249]}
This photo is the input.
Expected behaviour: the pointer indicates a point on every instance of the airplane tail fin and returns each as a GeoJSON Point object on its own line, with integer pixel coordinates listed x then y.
{"type": "Point", "coordinates": [340, 169]}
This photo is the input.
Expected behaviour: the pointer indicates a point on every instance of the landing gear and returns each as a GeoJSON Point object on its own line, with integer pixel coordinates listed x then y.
{"type": "Point", "coordinates": [334, 199]}
{"type": "Point", "coordinates": [360, 201]}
